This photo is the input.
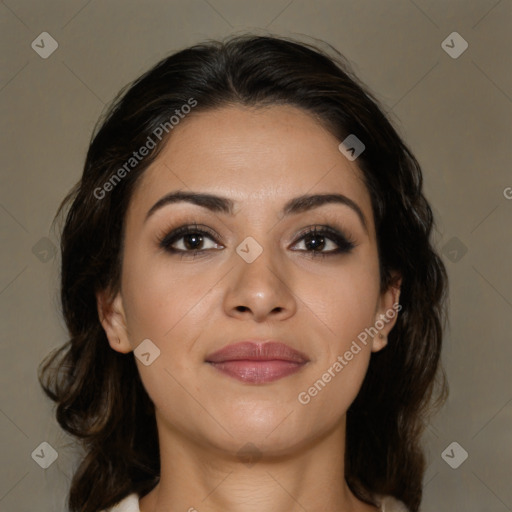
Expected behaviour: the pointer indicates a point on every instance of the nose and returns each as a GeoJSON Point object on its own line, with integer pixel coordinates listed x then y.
{"type": "Point", "coordinates": [259, 290]}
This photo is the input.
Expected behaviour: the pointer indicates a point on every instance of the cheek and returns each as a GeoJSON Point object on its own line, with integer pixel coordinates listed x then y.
{"type": "Point", "coordinates": [169, 308]}
{"type": "Point", "coordinates": [343, 309]}
{"type": "Point", "coordinates": [343, 303]}
{"type": "Point", "coordinates": [159, 299]}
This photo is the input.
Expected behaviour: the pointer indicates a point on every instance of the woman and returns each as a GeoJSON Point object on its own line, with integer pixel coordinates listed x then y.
{"type": "Point", "coordinates": [251, 226]}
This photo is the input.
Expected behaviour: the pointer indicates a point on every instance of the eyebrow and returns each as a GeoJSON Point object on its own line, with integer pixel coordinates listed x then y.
{"type": "Point", "coordinates": [224, 205]}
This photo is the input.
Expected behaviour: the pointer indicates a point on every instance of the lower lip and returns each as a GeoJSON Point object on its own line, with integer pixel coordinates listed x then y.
{"type": "Point", "coordinates": [258, 372]}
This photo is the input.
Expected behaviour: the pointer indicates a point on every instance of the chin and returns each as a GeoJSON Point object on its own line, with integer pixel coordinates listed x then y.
{"type": "Point", "coordinates": [273, 430]}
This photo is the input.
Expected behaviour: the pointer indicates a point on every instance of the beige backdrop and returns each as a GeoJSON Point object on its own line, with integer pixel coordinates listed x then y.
{"type": "Point", "coordinates": [453, 108]}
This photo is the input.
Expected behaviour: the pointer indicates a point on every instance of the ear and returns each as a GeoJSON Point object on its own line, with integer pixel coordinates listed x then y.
{"type": "Point", "coordinates": [113, 319]}
{"type": "Point", "coordinates": [387, 312]}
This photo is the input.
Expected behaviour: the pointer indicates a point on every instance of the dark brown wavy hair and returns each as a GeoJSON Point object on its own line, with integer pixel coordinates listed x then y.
{"type": "Point", "coordinates": [99, 395]}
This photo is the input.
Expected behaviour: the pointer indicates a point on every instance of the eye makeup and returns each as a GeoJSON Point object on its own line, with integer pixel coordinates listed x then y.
{"type": "Point", "coordinates": [193, 236]}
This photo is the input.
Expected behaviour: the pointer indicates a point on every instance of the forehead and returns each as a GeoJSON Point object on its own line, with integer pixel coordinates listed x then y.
{"type": "Point", "coordinates": [256, 156]}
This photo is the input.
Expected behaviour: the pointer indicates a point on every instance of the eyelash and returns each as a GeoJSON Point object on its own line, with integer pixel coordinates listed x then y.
{"type": "Point", "coordinates": [345, 244]}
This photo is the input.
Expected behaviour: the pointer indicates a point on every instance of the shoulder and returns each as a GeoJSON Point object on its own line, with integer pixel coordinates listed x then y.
{"type": "Point", "coordinates": [391, 504]}
{"type": "Point", "coordinates": [128, 504]}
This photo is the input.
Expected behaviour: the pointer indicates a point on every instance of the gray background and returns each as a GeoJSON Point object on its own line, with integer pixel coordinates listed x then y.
{"type": "Point", "coordinates": [454, 112]}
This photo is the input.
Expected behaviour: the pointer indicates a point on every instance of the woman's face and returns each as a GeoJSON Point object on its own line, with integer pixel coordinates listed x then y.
{"type": "Point", "coordinates": [255, 274]}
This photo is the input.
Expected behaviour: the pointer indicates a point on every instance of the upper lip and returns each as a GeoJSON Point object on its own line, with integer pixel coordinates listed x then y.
{"type": "Point", "coordinates": [251, 350]}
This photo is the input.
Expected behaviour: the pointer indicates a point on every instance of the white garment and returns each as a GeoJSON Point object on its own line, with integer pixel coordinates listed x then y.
{"type": "Point", "coordinates": [131, 504]}
{"type": "Point", "coordinates": [389, 504]}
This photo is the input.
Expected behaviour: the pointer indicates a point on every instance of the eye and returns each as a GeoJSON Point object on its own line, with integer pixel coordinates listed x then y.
{"type": "Point", "coordinates": [189, 240]}
{"type": "Point", "coordinates": [325, 241]}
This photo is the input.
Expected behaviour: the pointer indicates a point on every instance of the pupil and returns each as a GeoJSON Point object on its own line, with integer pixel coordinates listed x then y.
{"type": "Point", "coordinates": [195, 240]}
{"type": "Point", "coordinates": [311, 244]}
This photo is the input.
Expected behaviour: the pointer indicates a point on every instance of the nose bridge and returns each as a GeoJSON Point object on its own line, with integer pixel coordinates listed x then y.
{"type": "Point", "coordinates": [259, 284]}
{"type": "Point", "coordinates": [258, 262]}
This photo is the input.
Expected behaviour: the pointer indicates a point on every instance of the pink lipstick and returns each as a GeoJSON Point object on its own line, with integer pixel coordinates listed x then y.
{"type": "Point", "coordinates": [257, 362]}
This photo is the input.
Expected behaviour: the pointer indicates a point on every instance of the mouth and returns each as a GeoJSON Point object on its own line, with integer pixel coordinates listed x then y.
{"type": "Point", "coordinates": [257, 362]}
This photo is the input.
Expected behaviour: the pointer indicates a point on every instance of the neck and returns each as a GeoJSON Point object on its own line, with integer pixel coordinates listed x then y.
{"type": "Point", "coordinates": [195, 478]}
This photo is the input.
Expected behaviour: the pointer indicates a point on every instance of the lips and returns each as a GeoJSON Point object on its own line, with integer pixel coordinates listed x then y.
{"type": "Point", "coordinates": [257, 362]}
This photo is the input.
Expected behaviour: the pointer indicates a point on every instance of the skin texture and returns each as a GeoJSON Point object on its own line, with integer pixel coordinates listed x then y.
{"type": "Point", "coordinates": [191, 306]}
